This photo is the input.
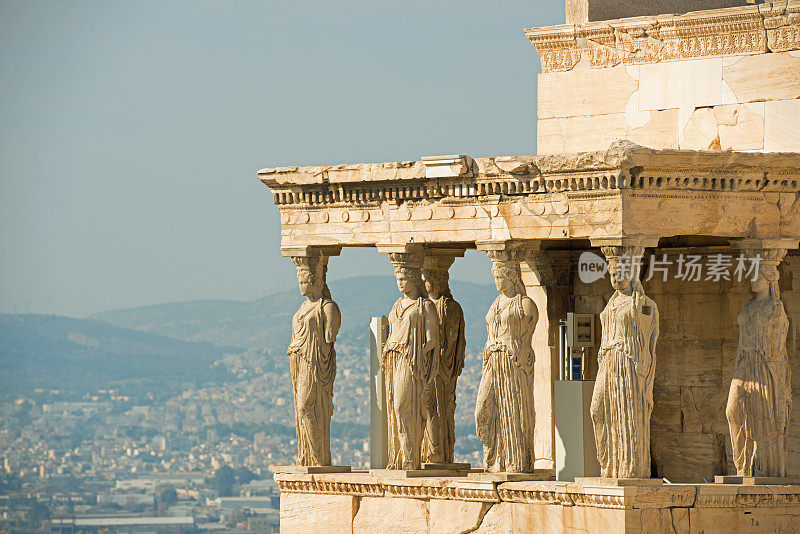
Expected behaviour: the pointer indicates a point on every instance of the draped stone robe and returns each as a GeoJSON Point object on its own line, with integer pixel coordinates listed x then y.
{"type": "Point", "coordinates": [760, 398]}
{"type": "Point", "coordinates": [442, 396]}
{"type": "Point", "coordinates": [622, 401]}
{"type": "Point", "coordinates": [504, 416]}
{"type": "Point", "coordinates": [410, 363]}
{"type": "Point", "coordinates": [313, 370]}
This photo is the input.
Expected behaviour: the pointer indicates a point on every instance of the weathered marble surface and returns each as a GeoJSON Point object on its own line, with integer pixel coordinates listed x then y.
{"type": "Point", "coordinates": [312, 362]}
{"type": "Point", "coordinates": [505, 416]}
{"type": "Point", "coordinates": [453, 505]}
{"type": "Point", "coordinates": [441, 398]}
{"type": "Point", "coordinates": [717, 79]}
{"type": "Point", "coordinates": [556, 197]}
{"type": "Point", "coordinates": [673, 35]}
{"type": "Point", "coordinates": [623, 394]}
{"type": "Point", "coordinates": [410, 365]}
{"type": "Point", "coordinates": [760, 398]}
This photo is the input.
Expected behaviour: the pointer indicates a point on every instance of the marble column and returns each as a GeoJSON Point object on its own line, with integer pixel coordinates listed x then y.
{"type": "Point", "coordinates": [410, 359]}
{"type": "Point", "coordinates": [439, 440]}
{"type": "Point", "coordinates": [312, 357]}
{"type": "Point", "coordinates": [505, 417]}
{"type": "Point", "coordinates": [622, 402]}
{"type": "Point", "coordinates": [760, 396]}
{"type": "Point", "coordinates": [548, 282]}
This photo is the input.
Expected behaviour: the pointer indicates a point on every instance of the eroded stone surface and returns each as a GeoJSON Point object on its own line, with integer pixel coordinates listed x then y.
{"type": "Point", "coordinates": [441, 397]}
{"type": "Point", "coordinates": [760, 398]}
{"type": "Point", "coordinates": [410, 364]}
{"type": "Point", "coordinates": [456, 517]}
{"type": "Point", "coordinates": [390, 516]}
{"type": "Point", "coordinates": [623, 394]}
{"type": "Point", "coordinates": [505, 417]}
{"type": "Point", "coordinates": [312, 361]}
{"type": "Point", "coordinates": [313, 513]}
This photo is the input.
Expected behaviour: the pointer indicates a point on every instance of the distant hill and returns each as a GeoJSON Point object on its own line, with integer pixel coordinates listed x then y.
{"type": "Point", "coordinates": [266, 323]}
{"type": "Point", "coordinates": [63, 353]}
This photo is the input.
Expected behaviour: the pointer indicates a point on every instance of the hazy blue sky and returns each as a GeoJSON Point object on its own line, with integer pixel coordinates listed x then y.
{"type": "Point", "coordinates": [131, 132]}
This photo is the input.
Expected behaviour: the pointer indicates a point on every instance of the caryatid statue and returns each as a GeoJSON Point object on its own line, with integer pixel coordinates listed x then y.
{"type": "Point", "coordinates": [439, 440]}
{"type": "Point", "coordinates": [410, 363]}
{"type": "Point", "coordinates": [312, 362]}
{"type": "Point", "coordinates": [760, 397]}
{"type": "Point", "coordinates": [622, 401]}
{"type": "Point", "coordinates": [504, 415]}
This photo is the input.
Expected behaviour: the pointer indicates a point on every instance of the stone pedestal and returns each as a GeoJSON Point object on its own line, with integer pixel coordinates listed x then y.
{"type": "Point", "coordinates": [413, 473]}
{"type": "Point", "coordinates": [756, 481]}
{"type": "Point", "coordinates": [538, 474]}
{"type": "Point", "coordinates": [598, 482]}
{"type": "Point", "coordinates": [362, 503]}
{"type": "Point", "coordinates": [309, 469]}
{"type": "Point", "coordinates": [447, 466]}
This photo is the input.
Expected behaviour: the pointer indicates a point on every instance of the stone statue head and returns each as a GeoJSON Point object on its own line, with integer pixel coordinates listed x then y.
{"type": "Point", "coordinates": [767, 270]}
{"type": "Point", "coordinates": [435, 273]}
{"type": "Point", "coordinates": [311, 276]}
{"type": "Point", "coordinates": [507, 274]}
{"type": "Point", "coordinates": [619, 279]}
{"type": "Point", "coordinates": [767, 279]}
{"type": "Point", "coordinates": [408, 272]}
{"type": "Point", "coordinates": [622, 266]}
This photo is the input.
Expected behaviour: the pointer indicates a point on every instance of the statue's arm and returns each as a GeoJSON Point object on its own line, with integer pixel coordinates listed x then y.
{"type": "Point", "coordinates": [332, 321]}
{"type": "Point", "coordinates": [530, 311]}
{"type": "Point", "coordinates": [652, 344]}
{"type": "Point", "coordinates": [531, 317]}
{"type": "Point", "coordinates": [461, 341]}
{"type": "Point", "coordinates": [431, 327]}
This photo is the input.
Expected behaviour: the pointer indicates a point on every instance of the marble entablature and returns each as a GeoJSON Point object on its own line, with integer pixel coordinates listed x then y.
{"type": "Point", "coordinates": [755, 29]}
{"type": "Point", "coordinates": [591, 195]}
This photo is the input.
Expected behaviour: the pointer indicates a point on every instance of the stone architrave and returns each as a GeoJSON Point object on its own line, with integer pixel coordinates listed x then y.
{"type": "Point", "coordinates": [441, 398]}
{"type": "Point", "coordinates": [312, 361]}
{"type": "Point", "coordinates": [504, 415]}
{"type": "Point", "coordinates": [760, 396]}
{"type": "Point", "coordinates": [622, 401]}
{"type": "Point", "coordinates": [410, 363]}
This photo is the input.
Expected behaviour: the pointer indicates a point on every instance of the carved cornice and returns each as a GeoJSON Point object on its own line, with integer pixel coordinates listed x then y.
{"type": "Point", "coordinates": [718, 32]}
{"type": "Point", "coordinates": [765, 499]}
{"type": "Point", "coordinates": [286, 485]}
{"type": "Point", "coordinates": [624, 166]}
{"type": "Point", "coordinates": [537, 496]}
{"type": "Point", "coordinates": [543, 492]}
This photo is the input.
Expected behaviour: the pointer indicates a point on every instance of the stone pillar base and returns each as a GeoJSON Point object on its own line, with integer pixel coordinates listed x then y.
{"type": "Point", "coordinates": [413, 473]}
{"type": "Point", "coordinates": [756, 481]}
{"type": "Point", "coordinates": [617, 482]}
{"type": "Point", "coordinates": [448, 466]}
{"type": "Point", "coordinates": [361, 503]}
{"type": "Point", "coordinates": [537, 474]}
{"type": "Point", "coordinates": [309, 469]}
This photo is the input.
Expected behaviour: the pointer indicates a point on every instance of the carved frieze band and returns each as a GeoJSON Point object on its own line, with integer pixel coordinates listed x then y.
{"type": "Point", "coordinates": [765, 499]}
{"type": "Point", "coordinates": [368, 195]}
{"type": "Point", "coordinates": [681, 496]}
{"type": "Point", "coordinates": [720, 32]}
{"type": "Point", "coordinates": [388, 490]}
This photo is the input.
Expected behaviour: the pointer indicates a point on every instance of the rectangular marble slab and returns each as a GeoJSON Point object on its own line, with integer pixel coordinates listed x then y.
{"type": "Point", "coordinates": [539, 474]}
{"type": "Point", "coordinates": [447, 466]}
{"type": "Point", "coordinates": [413, 473]}
{"type": "Point", "coordinates": [756, 481]}
{"type": "Point", "coordinates": [310, 469]}
{"type": "Point", "coordinates": [618, 482]}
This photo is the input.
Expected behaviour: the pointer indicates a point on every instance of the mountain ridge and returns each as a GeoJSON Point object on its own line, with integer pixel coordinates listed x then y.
{"type": "Point", "coordinates": [265, 323]}
{"type": "Point", "coordinates": [58, 352]}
